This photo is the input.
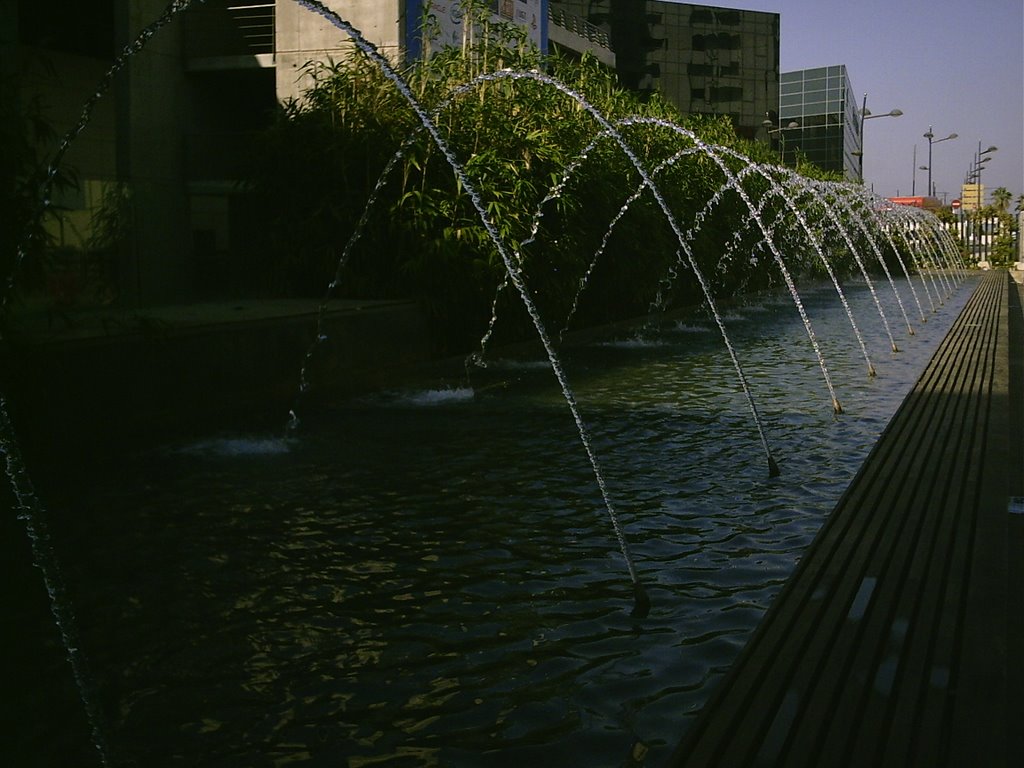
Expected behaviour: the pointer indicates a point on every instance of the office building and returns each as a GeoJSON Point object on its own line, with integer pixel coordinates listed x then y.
{"type": "Point", "coordinates": [819, 120]}
{"type": "Point", "coordinates": [702, 59]}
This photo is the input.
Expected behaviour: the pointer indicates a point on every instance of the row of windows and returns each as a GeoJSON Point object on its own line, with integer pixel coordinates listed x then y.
{"type": "Point", "coordinates": [810, 121]}
{"type": "Point", "coordinates": [746, 56]}
{"type": "Point", "coordinates": [713, 70]}
{"type": "Point", "coordinates": [761, 23]}
{"type": "Point", "coordinates": [717, 93]}
{"type": "Point", "coordinates": [815, 104]}
{"type": "Point", "coordinates": [814, 74]}
{"type": "Point", "coordinates": [715, 16]}
{"type": "Point", "coordinates": [824, 86]}
{"type": "Point", "coordinates": [722, 41]}
{"type": "Point", "coordinates": [803, 133]}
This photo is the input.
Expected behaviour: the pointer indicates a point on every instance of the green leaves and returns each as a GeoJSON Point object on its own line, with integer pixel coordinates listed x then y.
{"type": "Point", "coordinates": [550, 184]}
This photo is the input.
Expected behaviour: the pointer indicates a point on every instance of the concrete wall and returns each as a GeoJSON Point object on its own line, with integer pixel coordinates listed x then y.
{"type": "Point", "coordinates": [62, 82]}
{"type": "Point", "coordinates": [151, 155]}
{"type": "Point", "coordinates": [303, 36]}
{"type": "Point", "coordinates": [139, 382]}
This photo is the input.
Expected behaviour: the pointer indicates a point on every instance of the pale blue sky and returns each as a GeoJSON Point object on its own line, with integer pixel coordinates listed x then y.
{"type": "Point", "coordinates": [957, 66]}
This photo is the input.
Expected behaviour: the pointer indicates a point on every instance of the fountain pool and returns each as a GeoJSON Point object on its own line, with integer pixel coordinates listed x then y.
{"type": "Point", "coordinates": [426, 576]}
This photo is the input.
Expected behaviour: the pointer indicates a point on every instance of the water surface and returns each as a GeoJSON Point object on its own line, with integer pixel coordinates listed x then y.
{"type": "Point", "coordinates": [427, 576]}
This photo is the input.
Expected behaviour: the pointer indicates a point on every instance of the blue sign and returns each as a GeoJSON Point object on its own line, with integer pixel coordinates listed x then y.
{"type": "Point", "coordinates": [446, 22]}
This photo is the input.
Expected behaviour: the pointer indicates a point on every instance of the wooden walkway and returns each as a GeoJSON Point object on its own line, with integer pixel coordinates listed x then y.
{"type": "Point", "coordinates": [897, 641]}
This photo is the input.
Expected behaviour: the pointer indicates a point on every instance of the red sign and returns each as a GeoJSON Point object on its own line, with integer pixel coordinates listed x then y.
{"type": "Point", "coordinates": [955, 204]}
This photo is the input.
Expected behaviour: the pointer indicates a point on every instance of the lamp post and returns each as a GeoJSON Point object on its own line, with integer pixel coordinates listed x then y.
{"type": "Point", "coordinates": [865, 114]}
{"type": "Point", "coordinates": [978, 167]}
{"type": "Point", "coordinates": [932, 140]}
{"type": "Point", "coordinates": [771, 128]}
{"type": "Point", "coordinates": [913, 185]}
{"type": "Point", "coordinates": [975, 223]}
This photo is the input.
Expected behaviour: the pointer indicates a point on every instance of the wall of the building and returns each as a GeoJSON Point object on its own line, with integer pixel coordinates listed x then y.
{"type": "Point", "coordinates": [131, 136]}
{"type": "Point", "coordinates": [822, 102]}
{"type": "Point", "coordinates": [173, 127]}
{"type": "Point", "coordinates": [62, 82]}
{"type": "Point", "coordinates": [151, 102]}
{"type": "Point", "coordinates": [302, 36]}
{"type": "Point", "coordinates": [703, 59]}
{"type": "Point", "coordinates": [719, 61]}
{"type": "Point", "coordinates": [572, 35]}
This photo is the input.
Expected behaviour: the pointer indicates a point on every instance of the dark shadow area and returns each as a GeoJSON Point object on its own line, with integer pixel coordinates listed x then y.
{"type": "Point", "coordinates": [44, 722]}
{"type": "Point", "coordinates": [888, 644]}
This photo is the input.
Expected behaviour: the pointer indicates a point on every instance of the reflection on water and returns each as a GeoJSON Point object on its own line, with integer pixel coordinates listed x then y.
{"type": "Point", "coordinates": [429, 578]}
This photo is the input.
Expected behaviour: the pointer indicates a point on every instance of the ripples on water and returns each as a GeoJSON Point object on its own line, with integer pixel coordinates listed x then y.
{"type": "Point", "coordinates": [430, 578]}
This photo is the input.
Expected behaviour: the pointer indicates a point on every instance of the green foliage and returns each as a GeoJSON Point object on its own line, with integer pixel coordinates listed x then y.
{"type": "Point", "coordinates": [1001, 198]}
{"type": "Point", "coordinates": [516, 140]}
{"type": "Point", "coordinates": [1003, 250]}
{"type": "Point", "coordinates": [24, 131]}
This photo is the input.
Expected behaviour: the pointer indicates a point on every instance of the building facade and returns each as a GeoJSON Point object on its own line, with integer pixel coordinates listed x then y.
{"type": "Point", "coordinates": [819, 120]}
{"type": "Point", "coordinates": [702, 59]}
{"type": "Point", "coordinates": [174, 129]}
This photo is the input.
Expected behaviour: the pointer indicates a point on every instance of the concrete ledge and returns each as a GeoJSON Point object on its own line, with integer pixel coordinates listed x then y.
{"type": "Point", "coordinates": [176, 367]}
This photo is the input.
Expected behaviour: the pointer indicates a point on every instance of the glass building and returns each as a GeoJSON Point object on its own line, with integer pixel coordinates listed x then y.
{"type": "Point", "coordinates": [821, 104]}
{"type": "Point", "coordinates": [703, 59]}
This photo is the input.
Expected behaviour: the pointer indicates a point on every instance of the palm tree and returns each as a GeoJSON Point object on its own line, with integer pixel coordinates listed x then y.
{"type": "Point", "coordinates": [1020, 203]}
{"type": "Point", "coordinates": [1001, 198]}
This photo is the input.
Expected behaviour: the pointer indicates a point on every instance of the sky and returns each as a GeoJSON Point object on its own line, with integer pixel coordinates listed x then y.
{"type": "Point", "coordinates": [957, 67]}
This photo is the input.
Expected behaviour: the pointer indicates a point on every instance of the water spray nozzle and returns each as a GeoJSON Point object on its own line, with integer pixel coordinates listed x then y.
{"type": "Point", "coordinates": [642, 604]}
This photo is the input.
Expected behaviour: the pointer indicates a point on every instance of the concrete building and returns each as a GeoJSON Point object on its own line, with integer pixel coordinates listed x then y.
{"type": "Point", "coordinates": [703, 59]}
{"type": "Point", "coordinates": [171, 135]}
{"type": "Point", "coordinates": [819, 118]}
{"type": "Point", "coordinates": [173, 127]}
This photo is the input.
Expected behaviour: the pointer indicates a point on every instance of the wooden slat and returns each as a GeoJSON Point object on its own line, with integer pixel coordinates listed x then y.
{"type": "Point", "coordinates": [889, 631]}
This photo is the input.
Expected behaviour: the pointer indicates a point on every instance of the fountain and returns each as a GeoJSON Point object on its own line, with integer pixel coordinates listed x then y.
{"type": "Point", "coordinates": [419, 576]}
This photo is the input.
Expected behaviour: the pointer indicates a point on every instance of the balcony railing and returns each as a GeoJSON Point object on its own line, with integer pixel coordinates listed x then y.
{"type": "Point", "coordinates": [220, 28]}
{"type": "Point", "coordinates": [581, 27]}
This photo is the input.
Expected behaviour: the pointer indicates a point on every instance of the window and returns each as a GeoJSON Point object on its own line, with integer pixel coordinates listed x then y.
{"type": "Point", "coordinates": [719, 41]}
{"type": "Point", "coordinates": [726, 93]}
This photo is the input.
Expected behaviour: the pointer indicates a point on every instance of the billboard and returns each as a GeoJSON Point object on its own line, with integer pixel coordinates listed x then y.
{"type": "Point", "coordinates": [930, 203]}
{"type": "Point", "coordinates": [971, 196]}
{"type": "Point", "coordinates": [446, 18]}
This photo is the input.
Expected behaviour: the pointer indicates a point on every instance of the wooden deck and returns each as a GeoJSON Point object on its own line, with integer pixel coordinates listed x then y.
{"type": "Point", "coordinates": [897, 641]}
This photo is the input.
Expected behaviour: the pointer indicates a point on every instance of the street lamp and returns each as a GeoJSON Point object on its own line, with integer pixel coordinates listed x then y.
{"type": "Point", "coordinates": [932, 140]}
{"type": "Point", "coordinates": [977, 166]}
{"type": "Point", "coordinates": [973, 227]}
{"type": "Point", "coordinates": [865, 114]}
{"type": "Point", "coordinates": [913, 185]}
{"type": "Point", "coordinates": [771, 128]}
